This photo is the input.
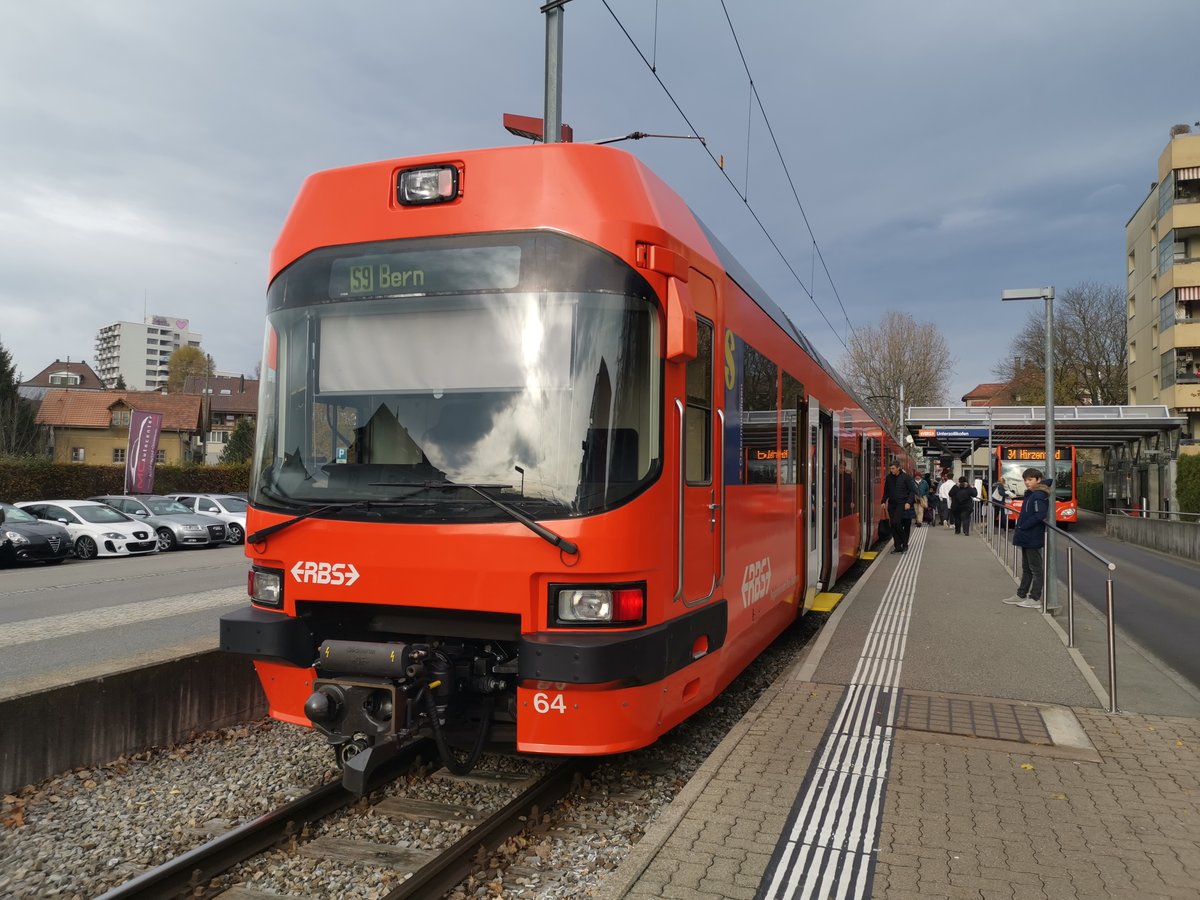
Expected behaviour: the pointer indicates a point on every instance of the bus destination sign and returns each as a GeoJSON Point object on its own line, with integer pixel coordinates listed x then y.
{"type": "Point", "coordinates": [1029, 454]}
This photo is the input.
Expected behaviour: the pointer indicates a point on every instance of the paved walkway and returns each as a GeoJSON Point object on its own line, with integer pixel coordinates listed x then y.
{"type": "Point", "coordinates": [937, 743]}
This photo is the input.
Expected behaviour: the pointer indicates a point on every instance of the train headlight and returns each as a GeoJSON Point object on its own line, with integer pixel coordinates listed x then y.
{"type": "Point", "coordinates": [265, 586]}
{"type": "Point", "coordinates": [430, 184]}
{"type": "Point", "coordinates": [574, 605]}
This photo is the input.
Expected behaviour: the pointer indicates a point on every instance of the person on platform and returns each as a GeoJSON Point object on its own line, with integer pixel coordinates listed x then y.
{"type": "Point", "coordinates": [922, 498]}
{"type": "Point", "coordinates": [1030, 535]}
{"type": "Point", "coordinates": [962, 506]}
{"type": "Point", "coordinates": [944, 499]}
{"type": "Point", "coordinates": [900, 498]}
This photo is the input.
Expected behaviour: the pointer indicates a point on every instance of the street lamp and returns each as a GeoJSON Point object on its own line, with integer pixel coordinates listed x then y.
{"type": "Point", "coordinates": [1050, 599]}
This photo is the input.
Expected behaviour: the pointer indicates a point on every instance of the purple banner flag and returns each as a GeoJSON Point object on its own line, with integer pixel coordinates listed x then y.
{"type": "Point", "coordinates": [143, 450]}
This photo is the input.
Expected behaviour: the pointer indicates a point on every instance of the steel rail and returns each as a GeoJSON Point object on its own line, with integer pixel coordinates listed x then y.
{"type": "Point", "coordinates": [451, 866]}
{"type": "Point", "coordinates": [196, 867]}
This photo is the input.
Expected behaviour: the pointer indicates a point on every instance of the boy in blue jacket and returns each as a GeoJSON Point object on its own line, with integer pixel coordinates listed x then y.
{"type": "Point", "coordinates": [1030, 535]}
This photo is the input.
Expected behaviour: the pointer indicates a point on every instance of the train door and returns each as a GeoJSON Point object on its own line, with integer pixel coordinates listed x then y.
{"type": "Point", "coordinates": [814, 525]}
{"type": "Point", "coordinates": [827, 498]}
{"type": "Point", "coordinates": [701, 512]}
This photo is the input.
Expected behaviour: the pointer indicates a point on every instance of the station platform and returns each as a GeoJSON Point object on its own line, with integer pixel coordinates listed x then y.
{"type": "Point", "coordinates": [935, 742]}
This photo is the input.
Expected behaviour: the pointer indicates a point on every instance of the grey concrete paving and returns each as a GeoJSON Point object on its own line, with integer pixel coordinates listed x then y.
{"type": "Point", "coordinates": [962, 817]}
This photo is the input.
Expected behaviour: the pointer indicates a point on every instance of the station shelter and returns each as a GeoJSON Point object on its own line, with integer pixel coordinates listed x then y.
{"type": "Point", "coordinates": [1134, 447]}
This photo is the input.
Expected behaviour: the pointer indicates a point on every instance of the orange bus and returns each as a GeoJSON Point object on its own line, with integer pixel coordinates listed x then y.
{"type": "Point", "coordinates": [1011, 461]}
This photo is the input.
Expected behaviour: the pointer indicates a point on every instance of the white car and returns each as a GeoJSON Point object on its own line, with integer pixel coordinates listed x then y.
{"type": "Point", "coordinates": [96, 529]}
{"type": "Point", "coordinates": [229, 509]}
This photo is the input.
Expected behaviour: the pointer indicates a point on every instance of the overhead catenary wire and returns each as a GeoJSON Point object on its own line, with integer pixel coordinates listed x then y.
{"type": "Point", "coordinates": [809, 292]}
{"type": "Point", "coordinates": [783, 163]}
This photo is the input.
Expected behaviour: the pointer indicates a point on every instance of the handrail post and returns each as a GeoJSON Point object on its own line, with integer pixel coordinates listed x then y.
{"type": "Point", "coordinates": [1070, 596]}
{"type": "Point", "coordinates": [1112, 645]}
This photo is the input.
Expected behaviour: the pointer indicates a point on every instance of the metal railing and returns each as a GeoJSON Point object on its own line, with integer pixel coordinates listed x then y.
{"type": "Point", "coordinates": [1135, 512]}
{"type": "Point", "coordinates": [1007, 552]}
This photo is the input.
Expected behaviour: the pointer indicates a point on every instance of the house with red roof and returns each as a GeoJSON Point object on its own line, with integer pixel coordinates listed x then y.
{"type": "Point", "coordinates": [93, 426]}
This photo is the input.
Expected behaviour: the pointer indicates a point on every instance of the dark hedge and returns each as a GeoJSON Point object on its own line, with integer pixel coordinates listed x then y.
{"type": "Point", "coordinates": [39, 479]}
{"type": "Point", "coordinates": [1187, 483]}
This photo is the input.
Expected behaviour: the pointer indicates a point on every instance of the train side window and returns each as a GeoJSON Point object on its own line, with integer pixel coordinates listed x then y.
{"type": "Point", "coordinates": [697, 419]}
{"type": "Point", "coordinates": [848, 485]}
{"type": "Point", "coordinates": [760, 417]}
{"type": "Point", "coordinates": [789, 451]}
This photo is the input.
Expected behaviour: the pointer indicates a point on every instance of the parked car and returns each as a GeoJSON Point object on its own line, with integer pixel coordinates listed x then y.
{"type": "Point", "coordinates": [26, 538]}
{"type": "Point", "coordinates": [229, 509]}
{"type": "Point", "coordinates": [176, 525]}
{"type": "Point", "coordinates": [95, 528]}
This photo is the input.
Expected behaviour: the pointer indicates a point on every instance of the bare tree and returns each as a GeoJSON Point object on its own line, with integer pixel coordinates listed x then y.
{"type": "Point", "coordinates": [1089, 349]}
{"type": "Point", "coordinates": [898, 351]}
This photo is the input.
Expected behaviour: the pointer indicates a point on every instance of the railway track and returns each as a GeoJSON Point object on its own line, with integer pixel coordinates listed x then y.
{"type": "Point", "coordinates": [198, 872]}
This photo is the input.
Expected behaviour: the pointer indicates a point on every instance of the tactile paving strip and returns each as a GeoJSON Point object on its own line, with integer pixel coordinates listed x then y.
{"type": "Point", "coordinates": [1001, 720]}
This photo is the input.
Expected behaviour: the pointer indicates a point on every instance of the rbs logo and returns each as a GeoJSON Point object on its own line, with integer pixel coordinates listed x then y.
{"type": "Point", "coordinates": [756, 582]}
{"type": "Point", "coordinates": [335, 574]}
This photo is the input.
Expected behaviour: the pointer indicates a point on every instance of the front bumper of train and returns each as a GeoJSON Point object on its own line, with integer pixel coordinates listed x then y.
{"type": "Point", "coordinates": [576, 692]}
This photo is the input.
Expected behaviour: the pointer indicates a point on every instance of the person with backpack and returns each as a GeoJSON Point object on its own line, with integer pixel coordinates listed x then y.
{"type": "Point", "coordinates": [922, 499]}
{"type": "Point", "coordinates": [962, 505]}
{"type": "Point", "coordinates": [999, 498]}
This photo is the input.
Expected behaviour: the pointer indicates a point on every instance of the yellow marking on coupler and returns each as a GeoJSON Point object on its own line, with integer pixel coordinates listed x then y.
{"type": "Point", "coordinates": [868, 554]}
{"type": "Point", "coordinates": [825, 602]}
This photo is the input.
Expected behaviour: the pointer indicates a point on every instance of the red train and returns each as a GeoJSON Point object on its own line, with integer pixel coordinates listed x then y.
{"type": "Point", "coordinates": [536, 459]}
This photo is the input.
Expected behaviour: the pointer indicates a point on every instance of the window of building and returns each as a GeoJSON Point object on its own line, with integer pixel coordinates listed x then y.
{"type": "Point", "coordinates": [118, 454]}
{"type": "Point", "coordinates": [1132, 305]}
{"type": "Point", "coordinates": [1154, 336]}
{"type": "Point", "coordinates": [1132, 352]}
{"type": "Point", "coordinates": [65, 378]}
{"type": "Point", "coordinates": [1166, 310]}
{"type": "Point", "coordinates": [160, 457]}
{"type": "Point", "coordinates": [77, 454]}
{"type": "Point", "coordinates": [1166, 368]}
{"type": "Point", "coordinates": [120, 418]}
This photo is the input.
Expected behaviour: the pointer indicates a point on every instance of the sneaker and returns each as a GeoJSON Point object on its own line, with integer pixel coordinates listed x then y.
{"type": "Point", "coordinates": [1014, 599]}
{"type": "Point", "coordinates": [1030, 603]}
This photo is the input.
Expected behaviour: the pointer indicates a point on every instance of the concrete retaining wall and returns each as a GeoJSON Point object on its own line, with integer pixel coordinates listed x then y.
{"type": "Point", "coordinates": [1175, 538]}
{"type": "Point", "coordinates": [92, 722]}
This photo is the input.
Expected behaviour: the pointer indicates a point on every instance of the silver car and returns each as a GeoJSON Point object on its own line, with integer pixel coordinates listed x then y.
{"type": "Point", "coordinates": [229, 509]}
{"type": "Point", "coordinates": [175, 524]}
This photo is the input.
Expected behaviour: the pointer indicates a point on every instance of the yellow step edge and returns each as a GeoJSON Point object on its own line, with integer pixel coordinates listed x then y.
{"type": "Point", "coordinates": [825, 602]}
{"type": "Point", "coordinates": [868, 554]}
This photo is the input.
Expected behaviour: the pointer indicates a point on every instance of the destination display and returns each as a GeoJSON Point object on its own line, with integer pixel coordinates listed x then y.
{"type": "Point", "coordinates": [425, 272]}
{"type": "Point", "coordinates": [1029, 454]}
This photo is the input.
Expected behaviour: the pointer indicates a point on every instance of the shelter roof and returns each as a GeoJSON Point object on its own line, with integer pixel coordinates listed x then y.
{"type": "Point", "coordinates": [958, 430]}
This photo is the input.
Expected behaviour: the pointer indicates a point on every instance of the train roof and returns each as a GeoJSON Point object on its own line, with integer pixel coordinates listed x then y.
{"type": "Point", "coordinates": [758, 294]}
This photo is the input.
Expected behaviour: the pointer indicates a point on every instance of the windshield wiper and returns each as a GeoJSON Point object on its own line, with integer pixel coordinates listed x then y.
{"type": "Point", "coordinates": [540, 530]}
{"type": "Point", "coordinates": [481, 489]}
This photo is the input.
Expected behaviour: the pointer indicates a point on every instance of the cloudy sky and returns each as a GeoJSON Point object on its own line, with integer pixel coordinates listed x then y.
{"type": "Point", "coordinates": [943, 150]}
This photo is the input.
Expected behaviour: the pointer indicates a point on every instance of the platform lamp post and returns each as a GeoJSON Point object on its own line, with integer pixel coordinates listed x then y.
{"type": "Point", "coordinates": [1050, 597]}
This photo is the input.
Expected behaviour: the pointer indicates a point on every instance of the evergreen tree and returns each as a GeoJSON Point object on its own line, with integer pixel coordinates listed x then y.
{"type": "Point", "coordinates": [19, 435]}
{"type": "Point", "coordinates": [240, 448]}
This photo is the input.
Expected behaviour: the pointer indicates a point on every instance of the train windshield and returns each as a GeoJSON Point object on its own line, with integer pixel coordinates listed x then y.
{"type": "Point", "coordinates": [548, 400]}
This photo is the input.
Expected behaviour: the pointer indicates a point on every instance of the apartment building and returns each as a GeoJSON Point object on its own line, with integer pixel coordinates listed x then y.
{"type": "Point", "coordinates": [139, 351]}
{"type": "Point", "coordinates": [1162, 243]}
